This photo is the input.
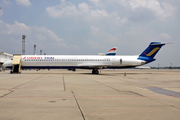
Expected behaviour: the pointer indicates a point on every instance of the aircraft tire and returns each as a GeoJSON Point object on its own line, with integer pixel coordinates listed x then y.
{"type": "Point", "coordinates": [96, 72]}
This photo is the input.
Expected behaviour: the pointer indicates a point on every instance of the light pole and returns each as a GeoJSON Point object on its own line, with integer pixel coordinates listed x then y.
{"type": "Point", "coordinates": [23, 44]}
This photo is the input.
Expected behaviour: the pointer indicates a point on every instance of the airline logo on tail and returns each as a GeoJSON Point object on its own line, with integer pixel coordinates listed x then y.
{"type": "Point", "coordinates": [152, 51]}
{"type": "Point", "coordinates": [112, 50]}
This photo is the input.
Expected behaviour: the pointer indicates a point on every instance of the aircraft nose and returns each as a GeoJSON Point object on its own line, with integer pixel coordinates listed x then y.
{"type": "Point", "coordinates": [4, 65]}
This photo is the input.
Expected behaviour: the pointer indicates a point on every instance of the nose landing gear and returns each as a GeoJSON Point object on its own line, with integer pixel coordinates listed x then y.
{"type": "Point", "coordinates": [95, 71]}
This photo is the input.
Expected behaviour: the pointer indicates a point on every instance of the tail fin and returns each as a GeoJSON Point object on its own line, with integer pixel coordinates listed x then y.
{"type": "Point", "coordinates": [112, 51]}
{"type": "Point", "coordinates": [152, 49]}
{"type": "Point", "coordinates": [149, 53]}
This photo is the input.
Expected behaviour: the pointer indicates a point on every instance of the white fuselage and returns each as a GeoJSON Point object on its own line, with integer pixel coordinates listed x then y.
{"type": "Point", "coordinates": [77, 61]}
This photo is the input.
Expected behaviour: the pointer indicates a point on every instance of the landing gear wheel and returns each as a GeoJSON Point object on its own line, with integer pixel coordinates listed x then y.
{"type": "Point", "coordinates": [11, 72]}
{"type": "Point", "coordinates": [94, 71]}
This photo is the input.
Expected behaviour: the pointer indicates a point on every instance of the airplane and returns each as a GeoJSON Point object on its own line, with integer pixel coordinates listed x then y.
{"type": "Point", "coordinates": [112, 52]}
{"type": "Point", "coordinates": [93, 62]}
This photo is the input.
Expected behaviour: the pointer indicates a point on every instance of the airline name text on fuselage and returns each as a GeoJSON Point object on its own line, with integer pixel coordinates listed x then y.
{"type": "Point", "coordinates": [34, 58]}
{"type": "Point", "coordinates": [38, 58]}
{"type": "Point", "coordinates": [48, 57]}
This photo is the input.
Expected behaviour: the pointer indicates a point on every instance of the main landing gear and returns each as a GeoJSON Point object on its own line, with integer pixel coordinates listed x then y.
{"type": "Point", "coordinates": [95, 71]}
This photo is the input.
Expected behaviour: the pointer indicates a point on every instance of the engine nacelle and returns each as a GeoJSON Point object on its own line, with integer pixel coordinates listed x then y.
{"type": "Point", "coordinates": [131, 62]}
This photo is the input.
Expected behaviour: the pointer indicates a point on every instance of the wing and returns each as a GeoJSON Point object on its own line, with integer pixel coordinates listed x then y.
{"type": "Point", "coordinates": [91, 66]}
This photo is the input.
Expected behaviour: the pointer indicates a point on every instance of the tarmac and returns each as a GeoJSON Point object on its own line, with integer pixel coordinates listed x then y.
{"type": "Point", "coordinates": [80, 95]}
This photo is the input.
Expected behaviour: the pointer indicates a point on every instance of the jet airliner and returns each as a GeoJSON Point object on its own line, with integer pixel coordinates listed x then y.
{"type": "Point", "coordinates": [93, 62]}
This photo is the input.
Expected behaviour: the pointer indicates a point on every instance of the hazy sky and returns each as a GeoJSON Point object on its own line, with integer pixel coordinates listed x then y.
{"type": "Point", "coordinates": [89, 27]}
